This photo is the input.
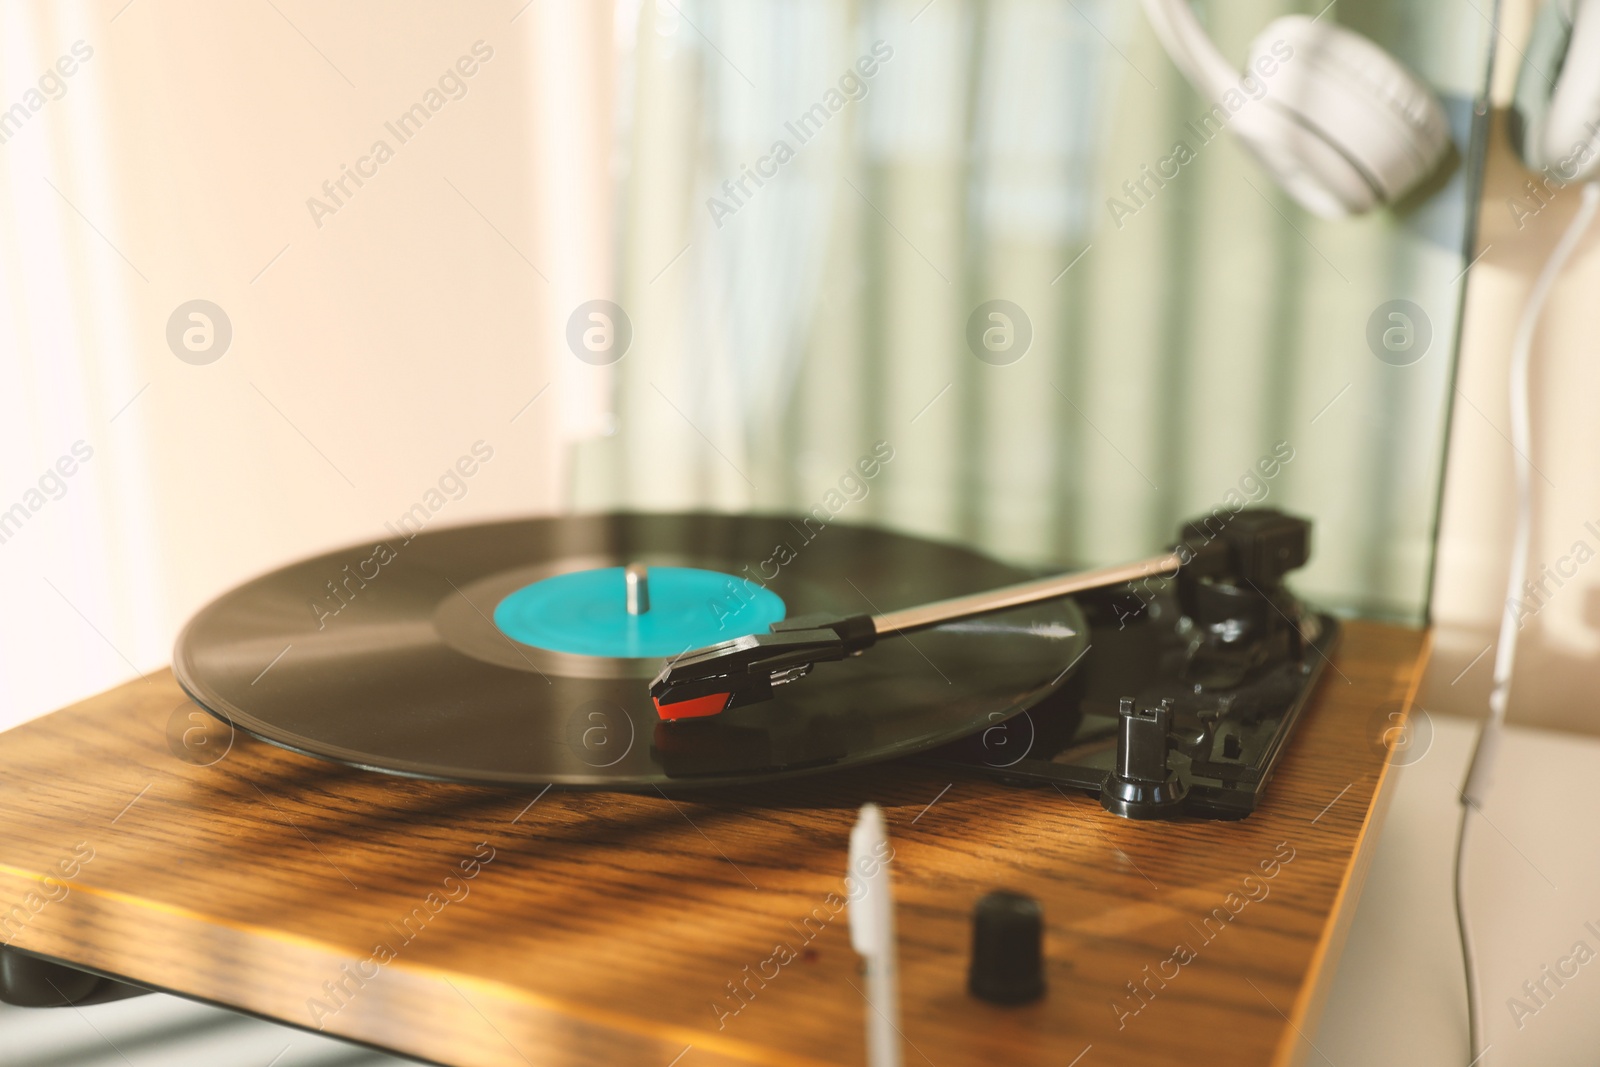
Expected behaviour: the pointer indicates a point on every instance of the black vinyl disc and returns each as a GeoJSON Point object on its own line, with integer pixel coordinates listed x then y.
{"type": "Point", "coordinates": [386, 655]}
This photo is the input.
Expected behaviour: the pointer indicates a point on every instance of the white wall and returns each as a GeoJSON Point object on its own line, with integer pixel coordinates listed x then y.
{"type": "Point", "coordinates": [1558, 670]}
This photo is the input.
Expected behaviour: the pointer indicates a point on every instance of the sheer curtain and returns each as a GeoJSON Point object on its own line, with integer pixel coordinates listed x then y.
{"type": "Point", "coordinates": [76, 559]}
{"type": "Point", "coordinates": [789, 309]}
{"type": "Point", "coordinates": [368, 350]}
{"type": "Point", "coordinates": [1179, 341]}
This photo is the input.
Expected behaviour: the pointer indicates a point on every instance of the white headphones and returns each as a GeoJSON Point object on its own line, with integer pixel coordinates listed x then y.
{"type": "Point", "coordinates": [1556, 114]}
{"type": "Point", "coordinates": [1341, 124]}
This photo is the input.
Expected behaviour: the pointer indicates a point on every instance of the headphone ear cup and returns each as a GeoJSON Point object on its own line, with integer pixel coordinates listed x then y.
{"type": "Point", "coordinates": [1314, 174]}
{"type": "Point", "coordinates": [1542, 60]}
{"type": "Point", "coordinates": [1378, 117]}
{"type": "Point", "coordinates": [1564, 135]}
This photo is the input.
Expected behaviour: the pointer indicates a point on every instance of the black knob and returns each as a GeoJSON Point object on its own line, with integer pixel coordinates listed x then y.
{"type": "Point", "coordinates": [1007, 949]}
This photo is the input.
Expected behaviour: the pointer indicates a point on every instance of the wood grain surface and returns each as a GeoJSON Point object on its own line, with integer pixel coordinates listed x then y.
{"type": "Point", "coordinates": [474, 926]}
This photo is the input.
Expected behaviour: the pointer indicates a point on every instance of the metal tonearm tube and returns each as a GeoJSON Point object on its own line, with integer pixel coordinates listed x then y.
{"type": "Point", "coordinates": [1252, 546]}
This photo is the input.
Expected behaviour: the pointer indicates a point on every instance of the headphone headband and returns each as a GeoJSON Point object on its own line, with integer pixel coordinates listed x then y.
{"type": "Point", "coordinates": [1342, 126]}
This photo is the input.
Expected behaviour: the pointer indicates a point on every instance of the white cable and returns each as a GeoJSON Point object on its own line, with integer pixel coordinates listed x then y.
{"type": "Point", "coordinates": [1522, 440]}
{"type": "Point", "coordinates": [1479, 770]}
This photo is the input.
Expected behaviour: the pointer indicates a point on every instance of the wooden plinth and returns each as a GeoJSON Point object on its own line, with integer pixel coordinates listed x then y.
{"type": "Point", "coordinates": [607, 929]}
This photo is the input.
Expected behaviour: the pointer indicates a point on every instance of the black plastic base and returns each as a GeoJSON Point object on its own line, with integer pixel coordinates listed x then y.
{"type": "Point", "coordinates": [1142, 800]}
{"type": "Point", "coordinates": [1233, 709]}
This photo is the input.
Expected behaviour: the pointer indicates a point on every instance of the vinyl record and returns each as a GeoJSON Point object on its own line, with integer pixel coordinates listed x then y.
{"type": "Point", "coordinates": [502, 653]}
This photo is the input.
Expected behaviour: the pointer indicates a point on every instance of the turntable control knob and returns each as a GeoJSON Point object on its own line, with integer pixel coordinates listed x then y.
{"type": "Point", "coordinates": [1007, 949]}
{"type": "Point", "coordinates": [637, 577]}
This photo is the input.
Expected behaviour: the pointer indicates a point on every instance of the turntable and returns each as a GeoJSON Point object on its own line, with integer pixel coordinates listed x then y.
{"type": "Point", "coordinates": [478, 836]}
{"type": "Point", "coordinates": [633, 651]}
